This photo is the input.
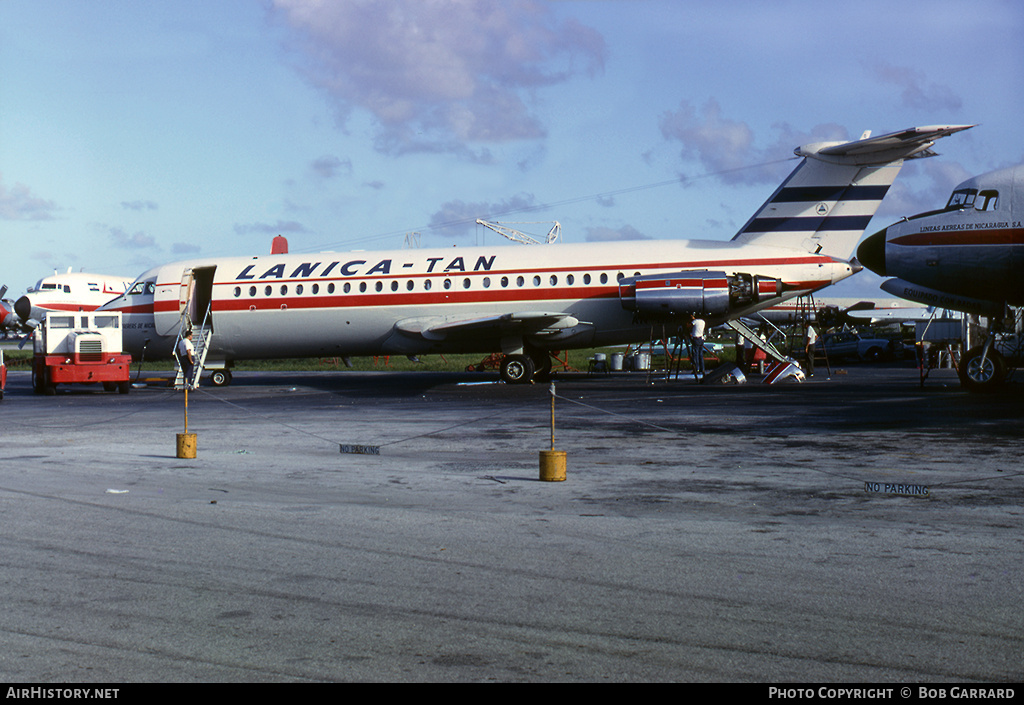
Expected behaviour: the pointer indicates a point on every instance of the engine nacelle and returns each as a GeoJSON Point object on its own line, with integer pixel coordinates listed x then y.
{"type": "Point", "coordinates": [702, 293]}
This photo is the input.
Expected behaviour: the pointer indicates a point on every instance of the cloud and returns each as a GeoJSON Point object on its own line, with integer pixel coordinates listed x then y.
{"type": "Point", "coordinates": [18, 203]}
{"type": "Point", "coordinates": [458, 218]}
{"type": "Point", "coordinates": [281, 226]}
{"type": "Point", "coordinates": [603, 234]}
{"type": "Point", "coordinates": [916, 93]}
{"type": "Point", "coordinates": [726, 148]}
{"type": "Point", "coordinates": [439, 75]}
{"type": "Point", "coordinates": [138, 241]}
{"type": "Point", "coordinates": [184, 248]}
{"type": "Point", "coordinates": [327, 167]}
{"type": "Point", "coordinates": [139, 205]}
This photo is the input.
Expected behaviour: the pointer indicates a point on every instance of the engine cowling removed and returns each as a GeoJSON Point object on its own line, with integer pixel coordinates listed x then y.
{"type": "Point", "coordinates": [703, 293]}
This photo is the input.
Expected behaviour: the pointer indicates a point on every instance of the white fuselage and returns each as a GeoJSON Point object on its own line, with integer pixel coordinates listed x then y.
{"type": "Point", "coordinates": [967, 256]}
{"type": "Point", "coordinates": [71, 291]}
{"type": "Point", "coordinates": [301, 305]}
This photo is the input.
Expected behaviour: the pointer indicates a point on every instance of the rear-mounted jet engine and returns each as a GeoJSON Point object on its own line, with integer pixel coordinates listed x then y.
{"type": "Point", "coordinates": [701, 293]}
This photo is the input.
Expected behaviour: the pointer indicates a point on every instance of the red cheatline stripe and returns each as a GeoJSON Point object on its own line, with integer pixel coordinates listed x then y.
{"type": "Point", "coordinates": [991, 236]}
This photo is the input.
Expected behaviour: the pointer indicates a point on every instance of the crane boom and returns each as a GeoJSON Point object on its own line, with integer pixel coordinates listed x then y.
{"type": "Point", "coordinates": [521, 237]}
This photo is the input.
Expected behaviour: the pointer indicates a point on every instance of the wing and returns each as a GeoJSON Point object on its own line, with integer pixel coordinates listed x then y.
{"type": "Point", "coordinates": [518, 323]}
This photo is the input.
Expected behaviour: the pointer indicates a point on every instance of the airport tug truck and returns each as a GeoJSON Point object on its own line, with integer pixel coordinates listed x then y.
{"type": "Point", "coordinates": [80, 348]}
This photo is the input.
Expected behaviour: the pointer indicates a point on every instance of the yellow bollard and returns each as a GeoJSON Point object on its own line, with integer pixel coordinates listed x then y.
{"type": "Point", "coordinates": [186, 440]}
{"type": "Point", "coordinates": [552, 465]}
{"type": "Point", "coordinates": [552, 462]}
{"type": "Point", "coordinates": [186, 445]}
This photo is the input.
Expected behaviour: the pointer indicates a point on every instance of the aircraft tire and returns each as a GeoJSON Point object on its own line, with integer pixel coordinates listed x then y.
{"type": "Point", "coordinates": [541, 365]}
{"type": "Point", "coordinates": [517, 369]}
{"type": "Point", "coordinates": [978, 377]}
{"type": "Point", "coordinates": [220, 378]}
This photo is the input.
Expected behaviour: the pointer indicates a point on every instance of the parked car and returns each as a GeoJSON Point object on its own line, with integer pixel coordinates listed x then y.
{"type": "Point", "coordinates": [851, 345]}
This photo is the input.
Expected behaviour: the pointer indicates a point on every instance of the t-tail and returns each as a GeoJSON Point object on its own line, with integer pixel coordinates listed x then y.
{"type": "Point", "coordinates": [825, 205]}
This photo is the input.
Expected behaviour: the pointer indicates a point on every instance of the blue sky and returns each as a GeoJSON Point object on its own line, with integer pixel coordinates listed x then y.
{"type": "Point", "coordinates": [133, 134]}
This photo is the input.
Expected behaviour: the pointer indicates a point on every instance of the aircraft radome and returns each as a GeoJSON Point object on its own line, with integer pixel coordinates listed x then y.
{"type": "Point", "coordinates": [524, 300]}
{"type": "Point", "coordinates": [965, 257]}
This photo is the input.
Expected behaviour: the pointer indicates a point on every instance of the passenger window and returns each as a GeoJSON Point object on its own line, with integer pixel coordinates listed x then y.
{"type": "Point", "coordinates": [586, 278]}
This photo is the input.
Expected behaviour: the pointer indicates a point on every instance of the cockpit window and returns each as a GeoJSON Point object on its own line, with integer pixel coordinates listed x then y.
{"type": "Point", "coordinates": [987, 201]}
{"type": "Point", "coordinates": [962, 198]}
{"type": "Point", "coordinates": [142, 288]}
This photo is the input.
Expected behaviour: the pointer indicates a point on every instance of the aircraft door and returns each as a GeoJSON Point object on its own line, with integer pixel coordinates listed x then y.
{"type": "Point", "coordinates": [200, 306]}
{"type": "Point", "coordinates": [182, 292]}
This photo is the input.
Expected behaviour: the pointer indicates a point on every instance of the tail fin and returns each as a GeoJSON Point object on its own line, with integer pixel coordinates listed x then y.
{"type": "Point", "coordinates": [827, 202]}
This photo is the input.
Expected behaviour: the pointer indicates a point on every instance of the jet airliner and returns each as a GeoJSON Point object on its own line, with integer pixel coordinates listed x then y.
{"type": "Point", "coordinates": [525, 300]}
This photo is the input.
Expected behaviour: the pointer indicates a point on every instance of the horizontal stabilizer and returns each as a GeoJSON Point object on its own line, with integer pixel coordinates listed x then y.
{"type": "Point", "coordinates": [913, 143]}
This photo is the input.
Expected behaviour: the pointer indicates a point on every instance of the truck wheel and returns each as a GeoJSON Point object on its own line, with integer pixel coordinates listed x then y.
{"type": "Point", "coordinates": [124, 387]}
{"type": "Point", "coordinates": [874, 354]}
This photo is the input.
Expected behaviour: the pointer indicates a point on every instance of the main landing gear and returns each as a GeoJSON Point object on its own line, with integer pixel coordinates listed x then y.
{"type": "Point", "coordinates": [982, 369]}
{"type": "Point", "coordinates": [534, 365]}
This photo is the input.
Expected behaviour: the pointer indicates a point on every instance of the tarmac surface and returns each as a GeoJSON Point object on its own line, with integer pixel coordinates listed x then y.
{"type": "Point", "coordinates": [712, 533]}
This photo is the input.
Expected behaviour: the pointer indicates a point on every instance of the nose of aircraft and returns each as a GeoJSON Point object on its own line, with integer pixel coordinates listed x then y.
{"type": "Point", "coordinates": [871, 252]}
{"type": "Point", "coordinates": [23, 307]}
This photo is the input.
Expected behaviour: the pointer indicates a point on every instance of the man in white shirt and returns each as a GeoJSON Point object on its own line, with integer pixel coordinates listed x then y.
{"type": "Point", "coordinates": [697, 344]}
{"type": "Point", "coordinates": [187, 359]}
{"type": "Point", "coordinates": [809, 341]}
